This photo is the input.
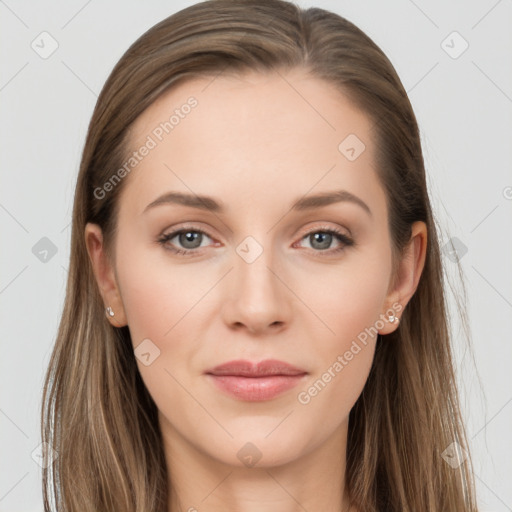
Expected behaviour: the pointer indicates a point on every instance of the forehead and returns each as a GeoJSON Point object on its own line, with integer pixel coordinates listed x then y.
{"type": "Point", "coordinates": [257, 102]}
{"type": "Point", "coordinates": [286, 131]}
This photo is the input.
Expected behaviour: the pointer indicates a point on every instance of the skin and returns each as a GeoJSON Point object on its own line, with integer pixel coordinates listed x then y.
{"type": "Point", "coordinates": [255, 144]}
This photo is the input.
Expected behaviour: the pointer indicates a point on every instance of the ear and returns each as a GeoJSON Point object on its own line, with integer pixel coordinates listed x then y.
{"type": "Point", "coordinates": [104, 274]}
{"type": "Point", "coordinates": [409, 272]}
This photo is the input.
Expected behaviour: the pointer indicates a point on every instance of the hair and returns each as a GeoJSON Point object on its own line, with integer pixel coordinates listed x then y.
{"type": "Point", "coordinates": [97, 413]}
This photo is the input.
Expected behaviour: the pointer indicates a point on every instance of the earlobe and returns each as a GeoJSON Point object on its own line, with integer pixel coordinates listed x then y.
{"type": "Point", "coordinates": [104, 275]}
{"type": "Point", "coordinates": [110, 314]}
{"type": "Point", "coordinates": [409, 273]}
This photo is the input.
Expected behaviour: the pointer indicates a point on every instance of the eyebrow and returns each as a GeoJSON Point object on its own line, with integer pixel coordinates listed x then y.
{"type": "Point", "coordinates": [304, 203]}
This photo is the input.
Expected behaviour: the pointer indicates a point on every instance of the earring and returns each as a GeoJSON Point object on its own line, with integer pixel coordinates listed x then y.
{"type": "Point", "coordinates": [393, 319]}
{"type": "Point", "coordinates": [109, 311]}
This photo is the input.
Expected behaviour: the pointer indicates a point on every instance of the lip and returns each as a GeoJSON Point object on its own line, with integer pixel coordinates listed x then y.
{"type": "Point", "coordinates": [265, 368]}
{"type": "Point", "coordinates": [249, 381]}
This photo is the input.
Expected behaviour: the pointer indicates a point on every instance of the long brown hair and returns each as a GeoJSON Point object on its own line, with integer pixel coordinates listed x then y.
{"type": "Point", "coordinates": [97, 414]}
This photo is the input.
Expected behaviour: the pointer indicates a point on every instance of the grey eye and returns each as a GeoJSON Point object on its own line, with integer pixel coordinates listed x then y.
{"type": "Point", "coordinates": [190, 239]}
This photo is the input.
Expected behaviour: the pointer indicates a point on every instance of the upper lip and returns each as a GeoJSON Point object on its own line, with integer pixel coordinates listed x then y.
{"type": "Point", "coordinates": [261, 369]}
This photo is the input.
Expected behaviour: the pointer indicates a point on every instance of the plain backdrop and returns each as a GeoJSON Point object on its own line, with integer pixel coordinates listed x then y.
{"type": "Point", "coordinates": [455, 61]}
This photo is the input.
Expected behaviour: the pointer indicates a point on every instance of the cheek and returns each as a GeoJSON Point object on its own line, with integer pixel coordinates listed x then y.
{"type": "Point", "coordinates": [157, 296]}
{"type": "Point", "coordinates": [349, 298]}
{"type": "Point", "coordinates": [161, 303]}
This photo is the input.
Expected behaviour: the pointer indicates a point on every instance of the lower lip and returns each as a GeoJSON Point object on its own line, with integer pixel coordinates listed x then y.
{"type": "Point", "coordinates": [256, 389]}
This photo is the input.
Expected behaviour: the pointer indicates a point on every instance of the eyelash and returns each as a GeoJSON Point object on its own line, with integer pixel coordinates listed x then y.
{"type": "Point", "coordinates": [345, 240]}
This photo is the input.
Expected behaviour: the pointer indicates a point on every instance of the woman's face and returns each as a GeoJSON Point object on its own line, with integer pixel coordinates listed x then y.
{"type": "Point", "coordinates": [261, 273]}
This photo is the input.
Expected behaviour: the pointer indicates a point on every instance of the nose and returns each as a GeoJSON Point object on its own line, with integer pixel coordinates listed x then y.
{"type": "Point", "coordinates": [257, 299]}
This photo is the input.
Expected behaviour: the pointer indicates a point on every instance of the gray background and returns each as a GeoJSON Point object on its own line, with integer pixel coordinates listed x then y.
{"type": "Point", "coordinates": [463, 102]}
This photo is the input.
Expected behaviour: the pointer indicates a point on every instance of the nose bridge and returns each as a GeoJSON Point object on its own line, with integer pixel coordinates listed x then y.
{"type": "Point", "coordinates": [253, 277]}
{"type": "Point", "coordinates": [257, 299]}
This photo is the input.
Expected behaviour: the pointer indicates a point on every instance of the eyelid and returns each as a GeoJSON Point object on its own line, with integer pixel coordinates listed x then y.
{"type": "Point", "coordinates": [325, 227]}
{"type": "Point", "coordinates": [185, 227]}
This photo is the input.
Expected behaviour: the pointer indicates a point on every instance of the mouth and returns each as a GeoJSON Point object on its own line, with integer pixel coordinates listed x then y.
{"type": "Point", "coordinates": [248, 381]}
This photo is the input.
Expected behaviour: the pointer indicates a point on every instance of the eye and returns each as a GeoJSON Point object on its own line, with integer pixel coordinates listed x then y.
{"type": "Point", "coordinates": [322, 239]}
{"type": "Point", "coordinates": [189, 239]}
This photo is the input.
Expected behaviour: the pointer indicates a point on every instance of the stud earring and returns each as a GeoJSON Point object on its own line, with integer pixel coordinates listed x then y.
{"type": "Point", "coordinates": [109, 311]}
{"type": "Point", "coordinates": [393, 319]}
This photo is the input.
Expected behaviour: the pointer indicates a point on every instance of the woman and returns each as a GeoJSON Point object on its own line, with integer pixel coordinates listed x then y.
{"type": "Point", "coordinates": [255, 316]}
